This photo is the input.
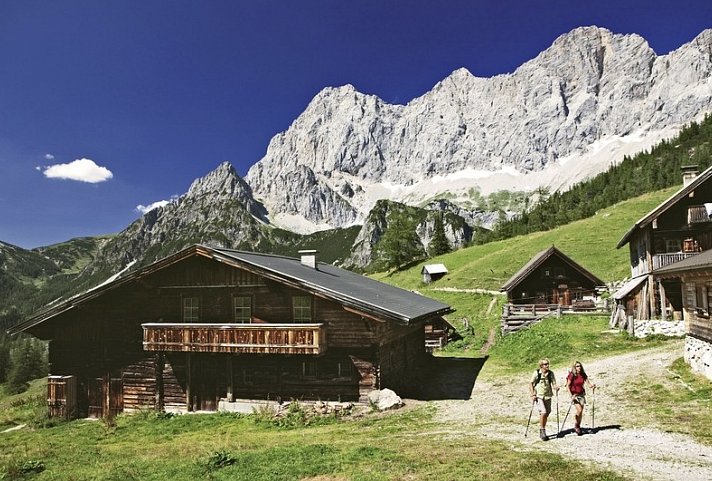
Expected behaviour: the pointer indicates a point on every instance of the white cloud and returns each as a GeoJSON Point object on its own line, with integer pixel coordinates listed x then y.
{"type": "Point", "coordinates": [49, 157]}
{"type": "Point", "coordinates": [155, 205]}
{"type": "Point", "coordinates": [82, 170]}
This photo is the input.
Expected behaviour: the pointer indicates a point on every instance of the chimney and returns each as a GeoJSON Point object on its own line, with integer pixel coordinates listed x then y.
{"type": "Point", "coordinates": [689, 172]}
{"type": "Point", "coordinates": [309, 258]}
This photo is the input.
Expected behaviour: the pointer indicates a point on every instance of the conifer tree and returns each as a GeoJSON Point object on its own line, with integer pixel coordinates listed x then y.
{"type": "Point", "coordinates": [399, 244]}
{"type": "Point", "coordinates": [439, 244]}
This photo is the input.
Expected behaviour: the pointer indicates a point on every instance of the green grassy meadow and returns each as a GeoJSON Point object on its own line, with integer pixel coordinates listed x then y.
{"type": "Point", "coordinates": [406, 444]}
{"type": "Point", "coordinates": [220, 447]}
{"type": "Point", "coordinates": [590, 242]}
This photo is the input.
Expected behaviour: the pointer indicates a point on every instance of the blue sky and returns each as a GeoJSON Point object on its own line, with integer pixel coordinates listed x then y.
{"type": "Point", "coordinates": [105, 106]}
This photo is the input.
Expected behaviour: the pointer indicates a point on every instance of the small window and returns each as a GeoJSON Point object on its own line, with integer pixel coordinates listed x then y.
{"type": "Point", "coordinates": [301, 309]}
{"type": "Point", "coordinates": [242, 309]}
{"type": "Point", "coordinates": [309, 370]}
{"type": "Point", "coordinates": [673, 245]}
{"type": "Point", "coordinates": [701, 299]}
{"type": "Point", "coordinates": [191, 309]}
{"type": "Point", "coordinates": [330, 369]}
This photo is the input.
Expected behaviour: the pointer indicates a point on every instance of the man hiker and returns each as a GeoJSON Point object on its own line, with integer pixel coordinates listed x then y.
{"type": "Point", "coordinates": [542, 387]}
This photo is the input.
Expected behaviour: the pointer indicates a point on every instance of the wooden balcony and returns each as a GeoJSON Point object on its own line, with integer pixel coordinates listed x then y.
{"type": "Point", "coordinates": [235, 338]}
{"type": "Point", "coordinates": [662, 260]}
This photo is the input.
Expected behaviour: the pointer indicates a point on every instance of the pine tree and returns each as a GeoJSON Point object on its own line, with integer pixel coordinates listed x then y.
{"type": "Point", "coordinates": [4, 357]}
{"type": "Point", "coordinates": [439, 244]}
{"type": "Point", "coordinates": [399, 244]}
{"type": "Point", "coordinates": [28, 361]}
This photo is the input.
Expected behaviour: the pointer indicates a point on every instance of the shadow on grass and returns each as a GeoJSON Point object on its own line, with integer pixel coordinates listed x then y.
{"type": "Point", "coordinates": [448, 378]}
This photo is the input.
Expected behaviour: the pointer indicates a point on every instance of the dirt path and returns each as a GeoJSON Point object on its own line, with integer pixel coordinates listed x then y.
{"type": "Point", "coordinates": [624, 439]}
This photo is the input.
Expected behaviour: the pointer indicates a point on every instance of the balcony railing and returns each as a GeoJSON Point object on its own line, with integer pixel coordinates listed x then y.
{"type": "Point", "coordinates": [235, 338]}
{"type": "Point", "coordinates": [662, 260]}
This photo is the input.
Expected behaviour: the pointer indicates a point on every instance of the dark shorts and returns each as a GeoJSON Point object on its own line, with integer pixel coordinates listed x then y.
{"type": "Point", "coordinates": [579, 399]}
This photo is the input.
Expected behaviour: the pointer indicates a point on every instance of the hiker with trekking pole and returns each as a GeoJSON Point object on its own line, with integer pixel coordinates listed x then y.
{"type": "Point", "coordinates": [541, 388]}
{"type": "Point", "coordinates": [575, 381]}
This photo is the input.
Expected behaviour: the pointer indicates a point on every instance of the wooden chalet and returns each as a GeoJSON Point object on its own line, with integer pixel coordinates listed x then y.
{"type": "Point", "coordinates": [549, 282]}
{"type": "Point", "coordinates": [207, 326]}
{"type": "Point", "coordinates": [551, 277]}
{"type": "Point", "coordinates": [695, 276]}
{"type": "Point", "coordinates": [677, 229]}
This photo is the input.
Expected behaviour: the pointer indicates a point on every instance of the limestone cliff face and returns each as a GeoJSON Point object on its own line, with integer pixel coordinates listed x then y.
{"type": "Point", "coordinates": [348, 149]}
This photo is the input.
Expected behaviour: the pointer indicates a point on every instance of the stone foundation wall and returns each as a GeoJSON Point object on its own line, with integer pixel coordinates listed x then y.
{"type": "Point", "coordinates": [644, 328]}
{"type": "Point", "coordinates": [698, 354]}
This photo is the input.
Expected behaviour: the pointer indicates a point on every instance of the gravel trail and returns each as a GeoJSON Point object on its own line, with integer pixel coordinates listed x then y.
{"type": "Point", "coordinates": [624, 439]}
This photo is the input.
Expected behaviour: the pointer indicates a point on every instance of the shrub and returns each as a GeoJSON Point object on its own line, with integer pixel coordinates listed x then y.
{"type": "Point", "coordinates": [219, 459]}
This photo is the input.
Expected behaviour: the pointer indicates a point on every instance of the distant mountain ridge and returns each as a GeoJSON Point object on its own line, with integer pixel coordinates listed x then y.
{"type": "Point", "coordinates": [351, 159]}
{"type": "Point", "coordinates": [564, 115]}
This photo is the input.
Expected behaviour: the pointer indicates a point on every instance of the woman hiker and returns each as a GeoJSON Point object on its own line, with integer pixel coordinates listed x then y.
{"type": "Point", "coordinates": [542, 387]}
{"type": "Point", "coordinates": [575, 381]}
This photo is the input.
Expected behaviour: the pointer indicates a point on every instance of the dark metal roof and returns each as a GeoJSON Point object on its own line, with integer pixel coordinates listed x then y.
{"type": "Point", "coordinates": [671, 201]}
{"type": "Point", "coordinates": [703, 260]}
{"type": "Point", "coordinates": [352, 290]}
{"type": "Point", "coordinates": [345, 286]}
{"type": "Point", "coordinates": [538, 260]}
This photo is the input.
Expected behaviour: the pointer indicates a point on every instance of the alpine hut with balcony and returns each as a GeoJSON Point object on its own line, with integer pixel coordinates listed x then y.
{"type": "Point", "coordinates": [677, 229]}
{"type": "Point", "coordinates": [209, 326]}
{"type": "Point", "coordinates": [550, 282]}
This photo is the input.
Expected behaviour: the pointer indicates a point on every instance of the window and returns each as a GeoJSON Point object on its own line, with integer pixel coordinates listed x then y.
{"type": "Point", "coordinates": [331, 369]}
{"type": "Point", "coordinates": [242, 309]}
{"type": "Point", "coordinates": [301, 309]}
{"type": "Point", "coordinates": [701, 299]}
{"type": "Point", "coordinates": [673, 245]}
{"type": "Point", "coordinates": [191, 309]}
{"type": "Point", "coordinates": [309, 370]}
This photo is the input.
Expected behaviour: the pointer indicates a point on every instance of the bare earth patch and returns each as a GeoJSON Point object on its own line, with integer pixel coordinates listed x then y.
{"type": "Point", "coordinates": [625, 438]}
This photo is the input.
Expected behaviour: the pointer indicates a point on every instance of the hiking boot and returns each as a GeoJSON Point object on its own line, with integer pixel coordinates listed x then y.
{"type": "Point", "coordinates": [578, 430]}
{"type": "Point", "coordinates": [542, 435]}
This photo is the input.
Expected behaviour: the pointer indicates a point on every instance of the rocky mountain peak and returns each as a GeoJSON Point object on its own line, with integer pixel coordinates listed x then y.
{"type": "Point", "coordinates": [582, 104]}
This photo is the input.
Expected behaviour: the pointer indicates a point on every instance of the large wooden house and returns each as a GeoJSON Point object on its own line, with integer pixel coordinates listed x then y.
{"type": "Point", "coordinates": [677, 229]}
{"type": "Point", "coordinates": [208, 326]}
{"type": "Point", "coordinates": [695, 276]}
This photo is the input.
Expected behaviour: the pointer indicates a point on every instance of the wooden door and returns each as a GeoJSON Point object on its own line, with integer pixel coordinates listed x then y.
{"type": "Point", "coordinates": [204, 385]}
{"type": "Point", "coordinates": [105, 396]}
{"type": "Point", "coordinates": [95, 396]}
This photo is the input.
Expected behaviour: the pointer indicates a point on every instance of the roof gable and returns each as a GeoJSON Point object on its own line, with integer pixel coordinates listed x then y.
{"type": "Point", "coordinates": [667, 204]}
{"type": "Point", "coordinates": [539, 259]}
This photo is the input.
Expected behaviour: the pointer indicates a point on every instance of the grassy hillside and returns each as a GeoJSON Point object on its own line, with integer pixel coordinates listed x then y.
{"type": "Point", "coordinates": [590, 242]}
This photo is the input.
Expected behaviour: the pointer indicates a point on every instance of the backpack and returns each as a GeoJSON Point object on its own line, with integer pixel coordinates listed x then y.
{"type": "Point", "coordinates": [538, 376]}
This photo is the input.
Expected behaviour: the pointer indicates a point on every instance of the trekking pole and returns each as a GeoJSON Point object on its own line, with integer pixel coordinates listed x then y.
{"type": "Point", "coordinates": [565, 418]}
{"type": "Point", "coordinates": [593, 408]}
{"type": "Point", "coordinates": [557, 411]}
{"type": "Point", "coordinates": [530, 418]}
